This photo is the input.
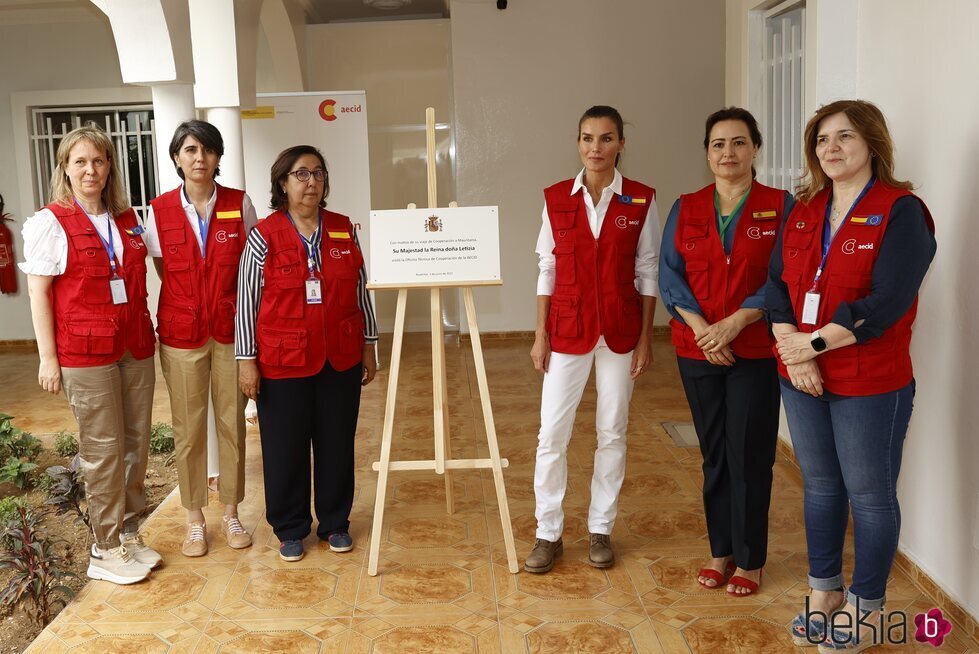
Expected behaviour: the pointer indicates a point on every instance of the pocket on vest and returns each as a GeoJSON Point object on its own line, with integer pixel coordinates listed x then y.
{"type": "Point", "coordinates": [565, 317]}
{"type": "Point", "coordinates": [698, 278]}
{"type": "Point", "coordinates": [95, 286]}
{"type": "Point", "coordinates": [282, 347]}
{"type": "Point", "coordinates": [178, 323]}
{"type": "Point", "coordinates": [352, 334]}
{"type": "Point", "coordinates": [89, 335]}
{"type": "Point", "coordinates": [289, 297]}
{"type": "Point", "coordinates": [564, 268]}
{"type": "Point", "coordinates": [179, 278]}
{"type": "Point", "coordinates": [630, 316]}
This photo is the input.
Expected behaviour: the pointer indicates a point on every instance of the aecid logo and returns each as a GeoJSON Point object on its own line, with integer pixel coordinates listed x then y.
{"type": "Point", "coordinates": [327, 110]}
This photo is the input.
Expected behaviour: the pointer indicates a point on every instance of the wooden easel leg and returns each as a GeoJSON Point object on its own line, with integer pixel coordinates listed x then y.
{"type": "Point", "coordinates": [447, 432]}
{"type": "Point", "coordinates": [439, 394]}
{"type": "Point", "coordinates": [385, 462]}
{"type": "Point", "coordinates": [494, 449]}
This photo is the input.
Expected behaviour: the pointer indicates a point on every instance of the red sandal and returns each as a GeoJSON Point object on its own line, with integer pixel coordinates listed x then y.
{"type": "Point", "coordinates": [747, 584]}
{"type": "Point", "coordinates": [719, 578]}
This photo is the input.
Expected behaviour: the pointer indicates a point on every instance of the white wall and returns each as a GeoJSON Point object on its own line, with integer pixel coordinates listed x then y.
{"type": "Point", "coordinates": [917, 61]}
{"type": "Point", "coordinates": [39, 57]}
{"type": "Point", "coordinates": [523, 76]}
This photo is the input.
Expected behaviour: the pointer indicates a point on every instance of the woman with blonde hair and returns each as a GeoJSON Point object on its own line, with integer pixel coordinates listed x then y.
{"type": "Point", "coordinates": [843, 296]}
{"type": "Point", "coordinates": [86, 273]}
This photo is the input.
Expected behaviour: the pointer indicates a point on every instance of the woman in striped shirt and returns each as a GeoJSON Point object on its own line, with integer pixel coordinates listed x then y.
{"type": "Point", "coordinates": [305, 336]}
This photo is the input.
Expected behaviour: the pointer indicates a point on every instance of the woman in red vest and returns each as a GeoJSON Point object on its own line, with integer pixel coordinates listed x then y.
{"type": "Point", "coordinates": [305, 338]}
{"type": "Point", "coordinates": [196, 233]}
{"type": "Point", "coordinates": [715, 254]}
{"type": "Point", "coordinates": [86, 275]}
{"type": "Point", "coordinates": [595, 299]}
{"type": "Point", "coordinates": [844, 292]}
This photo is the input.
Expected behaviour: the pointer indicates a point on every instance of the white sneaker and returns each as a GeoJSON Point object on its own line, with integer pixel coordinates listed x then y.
{"type": "Point", "coordinates": [140, 550]}
{"type": "Point", "coordinates": [117, 565]}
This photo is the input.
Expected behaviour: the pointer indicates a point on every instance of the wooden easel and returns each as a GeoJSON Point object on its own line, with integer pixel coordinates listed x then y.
{"type": "Point", "coordinates": [443, 463]}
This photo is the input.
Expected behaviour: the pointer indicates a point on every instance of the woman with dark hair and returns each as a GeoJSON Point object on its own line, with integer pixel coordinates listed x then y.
{"type": "Point", "coordinates": [305, 338]}
{"type": "Point", "coordinates": [86, 274]}
{"type": "Point", "coordinates": [843, 296]}
{"type": "Point", "coordinates": [595, 298]}
{"type": "Point", "coordinates": [715, 254]}
{"type": "Point", "coordinates": [196, 233]}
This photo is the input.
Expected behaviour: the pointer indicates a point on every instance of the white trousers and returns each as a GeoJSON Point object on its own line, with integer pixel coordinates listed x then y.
{"type": "Point", "coordinates": [563, 385]}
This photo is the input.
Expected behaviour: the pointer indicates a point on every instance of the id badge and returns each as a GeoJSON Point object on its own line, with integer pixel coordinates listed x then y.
{"type": "Point", "coordinates": [313, 294]}
{"type": "Point", "coordinates": [117, 286]}
{"type": "Point", "coordinates": [810, 308]}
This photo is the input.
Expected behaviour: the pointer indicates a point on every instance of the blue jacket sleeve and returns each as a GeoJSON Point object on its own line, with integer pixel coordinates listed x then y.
{"type": "Point", "coordinates": [673, 287]}
{"type": "Point", "coordinates": [778, 304]}
{"type": "Point", "coordinates": [757, 301]}
{"type": "Point", "coordinates": [906, 253]}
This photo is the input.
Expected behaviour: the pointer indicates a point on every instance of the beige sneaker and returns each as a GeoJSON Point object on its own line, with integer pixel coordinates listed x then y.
{"type": "Point", "coordinates": [196, 542]}
{"type": "Point", "coordinates": [140, 550]}
{"type": "Point", "coordinates": [237, 537]}
{"type": "Point", "coordinates": [543, 556]}
{"type": "Point", "coordinates": [117, 565]}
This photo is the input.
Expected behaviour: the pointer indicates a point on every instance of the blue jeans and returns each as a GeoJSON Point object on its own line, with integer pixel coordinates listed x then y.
{"type": "Point", "coordinates": [849, 450]}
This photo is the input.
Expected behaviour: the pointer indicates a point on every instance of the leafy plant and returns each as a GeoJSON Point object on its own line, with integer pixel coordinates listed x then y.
{"type": "Point", "coordinates": [16, 442]}
{"type": "Point", "coordinates": [67, 491]}
{"type": "Point", "coordinates": [38, 572]}
{"type": "Point", "coordinates": [10, 516]}
{"type": "Point", "coordinates": [161, 438]}
{"type": "Point", "coordinates": [65, 443]}
{"type": "Point", "coordinates": [15, 471]}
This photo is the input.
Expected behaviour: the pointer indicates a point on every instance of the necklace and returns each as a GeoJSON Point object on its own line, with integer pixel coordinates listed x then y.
{"type": "Point", "coordinates": [738, 194]}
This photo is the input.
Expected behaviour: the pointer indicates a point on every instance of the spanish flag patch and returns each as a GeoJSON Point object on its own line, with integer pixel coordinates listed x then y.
{"type": "Point", "coordinates": [227, 215]}
{"type": "Point", "coordinates": [628, 199]}
{"type": "Point", "coordinates": [771, 214]}
{"type": "Point", "coordinates": [341, 235]}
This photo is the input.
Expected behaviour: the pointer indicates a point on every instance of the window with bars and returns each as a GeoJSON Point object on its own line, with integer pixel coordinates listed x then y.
{"type": "Point", "coordinates": [782, 88]}
{"type": "Point", "coordinates": [129, 126]}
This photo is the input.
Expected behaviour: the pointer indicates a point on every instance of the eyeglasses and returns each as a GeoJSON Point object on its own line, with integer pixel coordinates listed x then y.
{"type": "Point", "coordinates": [303, 175]}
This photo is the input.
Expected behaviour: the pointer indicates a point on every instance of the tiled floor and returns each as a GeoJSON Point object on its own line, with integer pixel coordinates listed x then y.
{"type": "Point", "coordinates": [443, 584]}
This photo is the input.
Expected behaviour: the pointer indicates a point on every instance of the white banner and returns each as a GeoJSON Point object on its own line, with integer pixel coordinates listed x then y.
{"type": "Point", "coordinates": [334, 122]}
{"type": "Point", "coordinates": [435, 247]}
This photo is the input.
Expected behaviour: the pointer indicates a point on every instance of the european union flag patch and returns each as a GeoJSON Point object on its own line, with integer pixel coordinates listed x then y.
{"type": "Point", "coordinates": [136, 231]}
{"type": "Point", "coordinates": [628, 199]}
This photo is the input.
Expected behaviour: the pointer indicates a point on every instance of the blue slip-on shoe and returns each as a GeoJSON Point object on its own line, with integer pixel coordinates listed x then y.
{"type": "Point", "coordinates": [291, 550]}
{"type": "Point", "coordinates": [340, 541]}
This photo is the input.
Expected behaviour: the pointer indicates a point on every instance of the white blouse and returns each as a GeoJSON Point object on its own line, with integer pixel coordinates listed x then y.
{"type": "Point", "coordinates": [46, 244]}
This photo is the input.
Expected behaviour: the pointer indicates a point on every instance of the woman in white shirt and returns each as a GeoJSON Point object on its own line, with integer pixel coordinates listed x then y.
{"type": "Point", "coordinates": [86, 275]}
{"type": "Point", "coordinates": [596, 294]}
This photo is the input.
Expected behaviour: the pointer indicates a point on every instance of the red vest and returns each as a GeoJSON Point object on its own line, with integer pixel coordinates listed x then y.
{"type": "Point", "coordinates": [595, 280]}
{"type": "Point", "coordinates": [89, 329]}
{"type": "Point", "coordinates": [879, 365]}
{"type": "Point", "coordinates": [721, 282]}
{"type": "Point", "coordinates": [198, 294]}
{"type": "Point", "coordinates": [296, 339]}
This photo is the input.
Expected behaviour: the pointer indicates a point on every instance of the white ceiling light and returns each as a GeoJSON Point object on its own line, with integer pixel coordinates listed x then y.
{"type": "Point", "coordinates": [387, 4]}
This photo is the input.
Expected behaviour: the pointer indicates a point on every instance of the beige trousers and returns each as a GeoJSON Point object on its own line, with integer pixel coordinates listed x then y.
{"type": "Point", "coordinates": [189, 375]}
{"type": "Point", "coordinates": [113, 405]}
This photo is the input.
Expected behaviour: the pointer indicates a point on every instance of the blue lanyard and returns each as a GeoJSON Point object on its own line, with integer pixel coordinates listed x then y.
{"type": "Point", "coordinates": [108, 245]}
{"type": "Point", "coordinates": [202, 225]}
{"type": "Point", "coordinates": [828, 238]}
{"type": "Point", "coordinates": [317, 235]}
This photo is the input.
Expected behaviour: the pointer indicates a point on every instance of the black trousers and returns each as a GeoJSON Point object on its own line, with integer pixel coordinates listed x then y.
{"type": "Point", "coordinates": [320, 410]}
{"type": "Point", "coordinates": [735, 412]}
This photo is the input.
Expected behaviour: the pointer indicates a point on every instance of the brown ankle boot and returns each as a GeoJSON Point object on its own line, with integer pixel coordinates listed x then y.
{"type": "Point", "coordinates": [543, 556]}
{"type": "Point", "coordinates": [600, 554]}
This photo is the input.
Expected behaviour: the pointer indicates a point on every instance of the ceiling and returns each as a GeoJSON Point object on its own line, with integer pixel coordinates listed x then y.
{"type": "Point", "coordinates": [337, 11]}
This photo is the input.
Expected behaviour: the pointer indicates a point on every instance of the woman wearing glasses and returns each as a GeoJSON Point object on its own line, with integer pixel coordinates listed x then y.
{"type": "Point", "coordinates": [305, 337]}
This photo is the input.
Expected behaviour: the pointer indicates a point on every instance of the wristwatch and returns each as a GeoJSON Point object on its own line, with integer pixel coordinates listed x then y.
{"type": "Point", "coordinates": [817, 342]}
